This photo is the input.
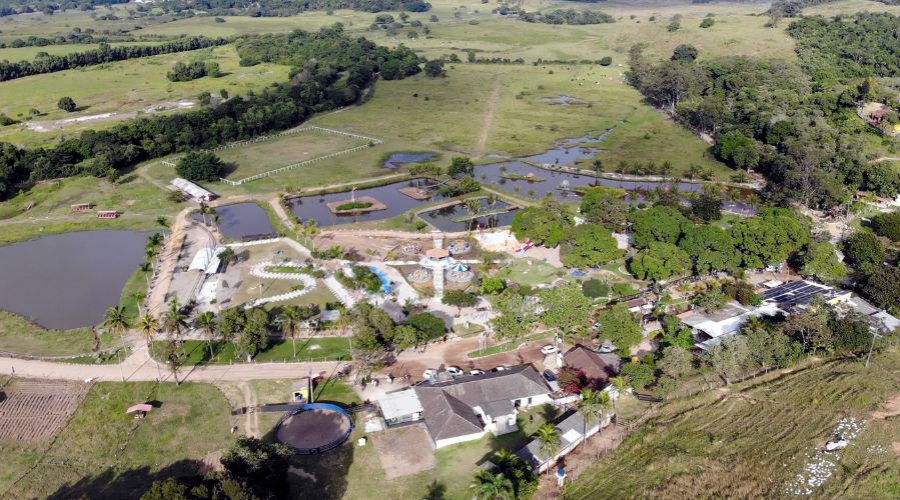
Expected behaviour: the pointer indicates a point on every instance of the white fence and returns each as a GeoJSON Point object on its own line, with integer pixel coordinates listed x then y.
{"type": "Point", "coordinates": [372, 141]}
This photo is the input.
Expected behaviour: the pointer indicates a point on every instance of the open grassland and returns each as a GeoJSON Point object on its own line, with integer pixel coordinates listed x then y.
{"type": "Point", "coordinates": [103, 452]}
{"type": "Point", "coordinates": [849, 7]}
{"type": "Point", "coordinates": [45, 209]}
{"type": "Point", "coordinates": [753, 439]}
{"type": "Point", "coordinates": [198, 352]}
{"type": "Point", "coordinates": [61, 23]}
{"type": "Point", "coordinates": [124, 86]}
{"type": "Point", "coordinates": [256, 158]}
{"type": "Point", "coordinates": [21, 336]}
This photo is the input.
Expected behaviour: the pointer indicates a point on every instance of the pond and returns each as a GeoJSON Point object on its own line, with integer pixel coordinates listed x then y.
{"type": "Point", "coordinates": [315, 207]}
{"type": "Point", "coordinates": [68, 280]}
{"type": "Point", "coordinates": [443, 218]}
{"type": "Point", "coordinates": [396, 160]}
{"type": "Point", "coordinates": [244, 221]}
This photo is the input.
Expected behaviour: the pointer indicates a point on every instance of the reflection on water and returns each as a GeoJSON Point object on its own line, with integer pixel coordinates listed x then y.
{"type": "Point", "coordinates": [442, 218]}
{"type": "Point", "coordinates": [68, 280]}
{"type": "Point", "coordinates": [398, 159]}
{"type": "Point", "coordinates": [243, 221]}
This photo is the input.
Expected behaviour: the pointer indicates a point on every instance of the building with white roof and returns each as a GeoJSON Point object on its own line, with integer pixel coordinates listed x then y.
{"type": "Point", "coordinates": [196, 192]}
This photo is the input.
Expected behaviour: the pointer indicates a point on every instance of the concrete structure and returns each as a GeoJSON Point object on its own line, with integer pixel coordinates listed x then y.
{"type": "Point", "coordinates": [192, 190]}
{"type": "Point", "coordinates": [572, 430]}
{"type": "Point", "coordinates": [401, 407]}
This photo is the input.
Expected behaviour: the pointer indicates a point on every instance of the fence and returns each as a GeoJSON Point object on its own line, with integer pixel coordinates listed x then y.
{"type": "Point", "coordinates": [371, 142]}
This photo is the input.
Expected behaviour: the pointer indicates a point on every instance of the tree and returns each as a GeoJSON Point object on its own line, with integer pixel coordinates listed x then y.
{"type": "Point", "coordinates": [290, 318]}
{"type": "Point", "coordinates": [711, 299]}
{"type": "Point", "coordinates": [492, 285]}
{"type": "Point", "coordinates": [638, 375]}
{"type": "Point", "coordinates": [674, 24]}
{"type": "Point", "coordinates": [594, 288]}
{"type": "Point", "coordinates": [66, 104]}
{"type": "Point", "coordinates": [742, 292]}
{"type": "Point", "coordinates": [435, 68]}
{"type": "Point", "coordinates": [517, 471]}
{"type": "Point", "coordinates": [676, 362]}
{"type": "Point", "coordinates": [852, 334]}
{"type": "Point", "coordinates": [516, 315]}
{"type": "Point", "coordinates": [820, 261]}
{"type": "Point", "coordinates": [460, 166]}
{"type": "Point", "coordinates": [428, 324]}
{"type": "Point", "coordinates": [605, 206]}
{"type": "Point", "coordinates": [711, 248]}
{"type": "Point", "coordinates": [619, 327]}
{"type": "Point", "coordinates": [116, 319]}
{"type": "Point", "coordinates": [406, 336]}
{"type": "Point", "coordinates": [173, 357]}
{"type": "Point", "coordinates": [737, 150]}
{"type": "Point", "coordinates": [227, 256]}
{"type": "Point", "coordinates": [729, 356]}
{"type": "Point", "coordinates": [707, 22]}
{"type": "Point", "coordinates": [658, 223]}
{"type": "Point", "coordinates": [589, 245]}
{"type": "Point", "coordinates": [565, 308]}
{"type": "Point", "coordinates": [206, 322]}
{"type": "Point", "coordinates": [490, 486]}
{"type": "Point", "coordinates": [707, 207]}
{"type": "Point", "coordinates": [887, 225]}
{"type": "Point", "coordinates": [262, 466]}
{"type": "Point", "coordinates": [148, 326]}
{"type": "Point", "coordinates": [660, 261]}
{"type": "Point", "coordinates": [174, 318]}
{"type": "Point", "coordinates": [605, 61]}
{"type": "Point", "coordinates": [685, 53]}
{"type": "Point", "coordinates": [863, 247]}
{"type": "Point", "coordinates": [542, 225]}
{"type": "Point", "coordinates": [547, 437]}
{"type": "Point", "coordinates": [459, 299]}
{"type": "Point", "coordinates": [768, 239]}
{"type": "Point", "coordinates": [202, 166]}
{"type": "Point", "coordinates": [592, 402]}
{"type": "Point", "coordinates": [255, 335]}
{"type": "Point", "coordinates": [810, 326]}
{"type": "Point", "coordinates": [769, 347]}
{"type": "Point", "coordinates": [882, 286]}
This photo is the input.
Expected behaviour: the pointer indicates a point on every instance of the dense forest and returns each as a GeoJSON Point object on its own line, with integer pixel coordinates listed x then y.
{"type": "Point", "coordinates": [77, 35]}
{"type": "Point", "coordinates": [104, 54]}
{"type": "Point", "coordinates": [773, 117]}
{"type": "Point", "coordinates": [330, 70]}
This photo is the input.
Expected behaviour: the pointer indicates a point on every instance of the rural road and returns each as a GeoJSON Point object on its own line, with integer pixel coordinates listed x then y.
{"type": "Point", "coordinates": [139, 367]}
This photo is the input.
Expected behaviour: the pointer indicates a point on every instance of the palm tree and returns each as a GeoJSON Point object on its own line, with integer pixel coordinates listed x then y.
{"type": "Point", "coordinates": [207, 322]}
{"type": "Point", "coordinates": [548, 437]}
{"type": "Point", "coordinates": [162, 221]}
{"type": "Point", "coordinates": [147, 269]}
{"type": "Point", "coordinates": [588, 407]}
{"type": "Point", "coordinates": [473, 205]}
{"type": "Point", "coordinates": [172, 356]}
{"type": "Point", "coordinates": [173, 319]}
{"type": "Point", "coordinates": [139, 297]}
{"type": "Point", "coordinates": [148, 326]}
{"type": "Point", "coordinates": [154, 240]}
{"type": "Point", "coordinates": [116, 319]}
{"type": "Point", "coordinates": [290, 319]}
{"type": "Point", "coordinates": [490, 486]}
{"type": "Point", "coordinates": [620, 384]}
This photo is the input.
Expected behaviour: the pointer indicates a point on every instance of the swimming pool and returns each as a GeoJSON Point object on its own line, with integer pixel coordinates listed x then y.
{"type": "Point", "coordinates": [385, 281]}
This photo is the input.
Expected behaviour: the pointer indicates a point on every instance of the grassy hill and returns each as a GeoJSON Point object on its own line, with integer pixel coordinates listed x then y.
{"type": "Point", "coordinates": [756, 439]}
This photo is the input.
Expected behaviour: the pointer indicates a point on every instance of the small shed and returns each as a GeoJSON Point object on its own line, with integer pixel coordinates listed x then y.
{"type": "Point", "coordinates": [140, 410]}
{"type": "Point", "coordinates": [107, 214]}
{"type": "Point", "coordinates": [81, 207]}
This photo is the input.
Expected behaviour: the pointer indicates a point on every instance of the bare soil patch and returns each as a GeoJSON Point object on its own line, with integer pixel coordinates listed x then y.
{"type": "Point", "coordinates": [35, 410]}
{"type": "Point", "coordinates": [404, 451]}
{"type": "Point", "coordinates": [891, 409]}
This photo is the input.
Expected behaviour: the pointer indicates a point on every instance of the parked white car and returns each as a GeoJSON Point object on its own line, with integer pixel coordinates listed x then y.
{"type": "Point", "coordinates": [429, 374]}
{"type": "Point", "coordinates": [500, 369]}
{"type": "Point", "coordinates": [549, 349]}
{"type": "Point", "coordinates": [455, 371]}
{"type": "Point", "coordinates": [476, 372]}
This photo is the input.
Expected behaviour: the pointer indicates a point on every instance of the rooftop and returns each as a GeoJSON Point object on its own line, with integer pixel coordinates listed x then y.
{"type": "Point", "coordinates": [595, 365]}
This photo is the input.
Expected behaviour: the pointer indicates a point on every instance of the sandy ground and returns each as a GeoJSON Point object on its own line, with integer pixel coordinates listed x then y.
{"type": "Point", "coordinates": [47, 126]}
{"type": "Point", "coordinates": [404, 451]}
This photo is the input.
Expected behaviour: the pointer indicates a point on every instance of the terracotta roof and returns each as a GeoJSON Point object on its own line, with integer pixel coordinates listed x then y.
{"type": "Point", "coordinates": [437, 253]}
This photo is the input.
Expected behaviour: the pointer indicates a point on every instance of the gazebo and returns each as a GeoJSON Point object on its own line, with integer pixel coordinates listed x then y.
{"type": "Point", "coordinates": [140, 410]}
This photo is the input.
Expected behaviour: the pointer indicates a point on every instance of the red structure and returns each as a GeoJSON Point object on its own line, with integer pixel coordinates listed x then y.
{"type": "Point", "coordinates": [107, 214]}
{"type": "Point", "coordinates": [82, 207]}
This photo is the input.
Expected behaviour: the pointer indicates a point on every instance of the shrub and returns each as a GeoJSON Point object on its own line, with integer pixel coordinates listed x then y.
{"type": "Point", "coordinates": [203, 166]}
{"type": "Point", "coordinates": [594, 288]}
{"type": "Point", "coordinates": [353, 205]}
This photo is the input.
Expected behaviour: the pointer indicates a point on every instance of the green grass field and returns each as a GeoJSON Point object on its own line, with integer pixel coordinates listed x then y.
{"type": "Point", "coordinates": [269, 155]}
{"type": "Point", "coordinates": [125, 86]}
{"type": "Point", "coordinates": [752, 440]}
{"type": "Point", "coordinates": [104, 452]}
{"type": "Point", "coordinates": [14, 54]}
{"type": "Point", "coordinates": [20, 336]}
{"type": "Point", "coordinates": [197, 352]}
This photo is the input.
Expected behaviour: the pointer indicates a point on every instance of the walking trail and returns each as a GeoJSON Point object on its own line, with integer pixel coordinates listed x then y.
{"type": "Point", "coordinates": [490, 111]}
{"type": "Point", "coordinates": [140, 367]}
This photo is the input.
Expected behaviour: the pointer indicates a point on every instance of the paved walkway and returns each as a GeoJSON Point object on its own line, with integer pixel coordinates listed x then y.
{"type": "Point", "coordinates": [139, 367]}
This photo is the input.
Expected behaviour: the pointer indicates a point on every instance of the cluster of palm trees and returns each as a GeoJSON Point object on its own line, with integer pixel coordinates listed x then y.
{"type": "Point", "coordinates": [490, 485]}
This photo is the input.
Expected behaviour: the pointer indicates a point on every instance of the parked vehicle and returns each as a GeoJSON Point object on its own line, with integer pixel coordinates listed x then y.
{"type": "Point", "coordinates": [429, 374]}
{"type": "Point", "coordinates": [500, 369]}
{"type": "Point", "coordinates": [476, 372]}
{"type": "Point", "coordinates": [455, 371]}
{"type": "Point", "coordinates": [549, 349]}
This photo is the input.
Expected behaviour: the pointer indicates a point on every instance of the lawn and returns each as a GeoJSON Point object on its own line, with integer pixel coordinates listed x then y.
{"type": "Point", "coordinates": [509, 346]}
{"type": "Point", "coordinates": [197, 352]}
{"type": "Point", "coordinates": [103, 452]}
{"type": "Point", "coordinates": [20, 336]}
{"type": "Point", "coordinates": [754, 439]}
{"type": "Point", "coordinates": [269, 155]}
{"type": "Point", "coordinates": [123, 86]}
{"type": "Point", "coordinates": [45, 209]}
{"type": "Point", "coordinates": [530, 272]}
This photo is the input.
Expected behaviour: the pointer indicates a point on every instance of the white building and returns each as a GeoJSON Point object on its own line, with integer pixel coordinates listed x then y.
{"type": "Point", "coordinates": [192, 190]}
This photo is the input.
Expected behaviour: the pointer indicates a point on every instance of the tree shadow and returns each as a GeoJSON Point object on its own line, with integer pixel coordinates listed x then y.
{"type": "Point", "coordinates": [435, 491]}
{"type": "Point", "coordinates": [115, 484]}
{"type": "Point", "coordinates": [321, 476]}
